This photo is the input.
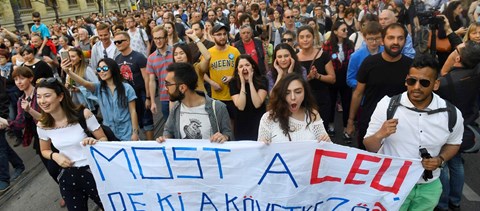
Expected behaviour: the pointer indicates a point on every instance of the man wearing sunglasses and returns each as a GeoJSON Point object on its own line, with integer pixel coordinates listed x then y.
{"type": "Point", "coordinates": [133, 69]}
{"type": "Point", "coordinates": [418, 123]}
{"type": "Point", "coordinates": [40, 29]}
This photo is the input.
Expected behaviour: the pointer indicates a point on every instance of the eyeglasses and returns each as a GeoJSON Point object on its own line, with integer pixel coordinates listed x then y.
{"type": "Point", "coordinates": [287, 40]}
{"type": "Point", "coordinates": [374, 40]}
{"type": "Point", "coordinates": [46, 81]}
{"type": "Point", "coordinates": [412, 81]}
{"type": "Point", "coordinates": [167, 84]}
{"type": "Point", "coordinates": [158, 38]}
{"type": "Point", "coordinates": [288, 17]}
{"type": "Point", "coordinates": [118, 42]}
{"type": "Point", "coordinates": [54, 38]}
{"type": "Point", "coordinates": [104, 69]}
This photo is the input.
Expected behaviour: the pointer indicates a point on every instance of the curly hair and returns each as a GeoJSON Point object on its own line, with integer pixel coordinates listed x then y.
{"type": "Point", "coordinates": [278, 105]}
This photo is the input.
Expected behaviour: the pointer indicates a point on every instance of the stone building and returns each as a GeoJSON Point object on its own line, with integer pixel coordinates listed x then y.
{"type": "Point", "coordinates": [66, 9]}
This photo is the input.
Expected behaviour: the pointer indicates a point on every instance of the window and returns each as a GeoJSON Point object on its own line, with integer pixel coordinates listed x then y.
{"type": "Point", "coordinates": [72, 2]}
{"type": "Point", "coordinates": [24, 4]}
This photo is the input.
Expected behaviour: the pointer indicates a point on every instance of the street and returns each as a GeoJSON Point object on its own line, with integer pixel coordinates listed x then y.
{"type": "Point", "coordinates": [36, 190]}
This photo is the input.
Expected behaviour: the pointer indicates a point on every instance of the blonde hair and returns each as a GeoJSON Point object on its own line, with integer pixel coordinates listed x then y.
{"type": "Point", "coordinates": [470, 29]}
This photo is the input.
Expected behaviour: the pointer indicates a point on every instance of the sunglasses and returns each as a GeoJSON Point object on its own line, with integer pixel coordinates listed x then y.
{"type": "Point", "coordinates": [46, 81]}
{"type": "Point", "coordinates": [287, 40]}
{"type": "Point", "coordinates": [104, 69]}
{"type": "Point", "coordinates": [423, 82]}
{"type": "Point", "coordinates": [288, 17]}
{"type": "Point", "coordinates": [36, 21]}
{"type": "Point", "coordinates": [118, 42]}
{"type": "Point", "coordinates": [54, 38]}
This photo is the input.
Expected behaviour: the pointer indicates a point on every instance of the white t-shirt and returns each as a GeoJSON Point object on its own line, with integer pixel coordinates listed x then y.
{"type": "Point", "coordinates": [69, 145]}
{"type": "Point", "coordinates": [270, 130]}
{"type": "Point", "coordinates": [136, 41]}
{"type": "Point", "coordinates": [194, 122]}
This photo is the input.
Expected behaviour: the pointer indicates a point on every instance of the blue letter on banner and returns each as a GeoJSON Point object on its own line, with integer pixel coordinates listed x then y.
{"type": "Point", "coordinates": [174, 149]}
{"type": "Point", "coordinates": [219, 163]}
{"type": "Point", "coordinates": [287, 171]}
{"type": "Point", "coordinates": [93, 149]}
{"type": "Point", "coordinates": [134, 150]}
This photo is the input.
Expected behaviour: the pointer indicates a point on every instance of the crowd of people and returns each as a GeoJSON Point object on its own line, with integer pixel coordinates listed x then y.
{"type": "Point", "coordinates": [224, 70]}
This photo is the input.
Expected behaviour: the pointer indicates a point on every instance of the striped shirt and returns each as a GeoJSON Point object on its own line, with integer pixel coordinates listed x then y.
{"type": "Point", "coordinates": [157, 64]}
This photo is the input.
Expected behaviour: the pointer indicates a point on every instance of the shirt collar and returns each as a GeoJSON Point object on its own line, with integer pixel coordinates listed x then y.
{"type": "Point", "coordinates": [434, 104]}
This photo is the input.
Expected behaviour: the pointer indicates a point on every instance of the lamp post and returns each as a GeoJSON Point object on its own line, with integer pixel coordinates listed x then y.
{"type": "Point", "coordinates": [16, 15]}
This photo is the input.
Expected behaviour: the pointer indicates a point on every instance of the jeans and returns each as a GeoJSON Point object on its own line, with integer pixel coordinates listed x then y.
{"type": "Point", "coordinates": [7, 155]}
{"type": "Point", "coordinates": [452, 178]}
{"type": "Point", "coordinates": [165, 109]}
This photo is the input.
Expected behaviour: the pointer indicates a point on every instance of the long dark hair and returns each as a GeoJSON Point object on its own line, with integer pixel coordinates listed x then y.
{"type": "Point", "coordinates": [185, 49]}
{"type": "Point", "coordinates": [71, 109]}
{"type": "Point", "coordinates": [333, 40]}
{"type": "Point", "coordinates": [449, 12]}
{"type": "Point", "coordinates": [297, 68]}
{"type": "Point", "coordinates": [278, 106]}
{"type": "Point", "coordinates": [257, 76]}
{"type": "Point", "coordinates": [117, 80]}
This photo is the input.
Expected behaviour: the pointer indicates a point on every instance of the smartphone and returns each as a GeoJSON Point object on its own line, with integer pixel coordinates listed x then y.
{"type": "Point", "coordinates": [64, 55]}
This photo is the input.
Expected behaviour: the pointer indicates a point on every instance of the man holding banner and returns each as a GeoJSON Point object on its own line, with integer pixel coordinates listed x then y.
{"type": "Point", "coordinates": [418, 129]}
{"type": "Point", "coordinates": [194, 115]}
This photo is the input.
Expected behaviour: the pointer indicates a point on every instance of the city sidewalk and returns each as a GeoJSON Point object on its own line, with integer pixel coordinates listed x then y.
{"type": "Point", "coordinates": [35, 189]}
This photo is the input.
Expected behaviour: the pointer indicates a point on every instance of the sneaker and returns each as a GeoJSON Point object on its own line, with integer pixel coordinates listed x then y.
{"type": "Point", "coordinates": [18, 142]}
{"type": "Point", "coordinates": [4, 186]}
{"type": "Point", "coordinates": [454, 207]}
{"type": "Point", "coordinates": [17, 173]}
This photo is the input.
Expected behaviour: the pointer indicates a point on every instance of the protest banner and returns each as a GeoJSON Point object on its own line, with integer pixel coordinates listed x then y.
{"type": "Point", "coordinates": [247, 175]}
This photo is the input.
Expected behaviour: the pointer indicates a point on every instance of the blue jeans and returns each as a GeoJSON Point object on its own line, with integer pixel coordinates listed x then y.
{"type": "Point", "coordinates": [145, 117]}
{"type": "Point", "coordinates": [452, 178]}
{"type": "Point", "coordinates": [7, 155]}
{"type": "Point", "coordinates": [165, 109]}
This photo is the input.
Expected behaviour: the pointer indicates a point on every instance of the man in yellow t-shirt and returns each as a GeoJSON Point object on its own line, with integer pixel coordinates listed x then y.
{"type": "Point", "coordinates": [222, 66]}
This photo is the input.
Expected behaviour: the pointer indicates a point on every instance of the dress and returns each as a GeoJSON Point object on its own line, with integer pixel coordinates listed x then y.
{"type": "Point", "coordinates": [270, 130]}
{"type": "Point", "coordinates": [40, 70]}
{"type": "Point", "coordinates": [248, 120]}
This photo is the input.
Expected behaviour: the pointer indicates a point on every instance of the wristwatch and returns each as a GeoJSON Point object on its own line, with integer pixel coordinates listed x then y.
{"type": "Point", "coordinates": [443, 161]}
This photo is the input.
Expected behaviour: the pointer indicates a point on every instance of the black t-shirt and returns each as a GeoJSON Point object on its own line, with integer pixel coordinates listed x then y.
{"type": "Point", "coordinates": [381, 78]}
{"type": "Point", "coordinates": [196, 52]}
{"type": "Point", "coordinates": [130, 68]}
{"type": "Point", "coordinates": [248, 120]}
{"type": "Point", "coordinates": [319, 63]}
{"type": "Point", "coordinates": [40, 70]}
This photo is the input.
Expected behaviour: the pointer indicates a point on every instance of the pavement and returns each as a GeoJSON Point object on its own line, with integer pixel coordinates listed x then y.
{"type": "Point", "coordinates": [35, 189]}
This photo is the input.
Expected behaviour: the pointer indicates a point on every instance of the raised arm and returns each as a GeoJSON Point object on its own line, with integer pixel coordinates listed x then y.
{"type": "Point", "coordinates": [67, 67]}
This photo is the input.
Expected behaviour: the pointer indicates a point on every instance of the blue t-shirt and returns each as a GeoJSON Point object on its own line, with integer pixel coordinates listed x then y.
{"type": "Point", "coordinates": [115, 116]}
{"type": "Point", "coordinates": [42, 29]}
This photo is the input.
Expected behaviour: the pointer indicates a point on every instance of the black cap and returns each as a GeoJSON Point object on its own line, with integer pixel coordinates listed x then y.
{"type": "Point", "coordinates": [218, 27]}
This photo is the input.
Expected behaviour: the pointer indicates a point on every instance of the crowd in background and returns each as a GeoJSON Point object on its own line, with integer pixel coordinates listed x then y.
{"type": "Point", "coordinates": [244, 54]}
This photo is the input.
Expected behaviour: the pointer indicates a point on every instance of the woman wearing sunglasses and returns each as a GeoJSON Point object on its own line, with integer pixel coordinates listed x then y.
{"type": "Point", "coordinates": [339, 48]}
{"type": "Point", "coordinates": [59, 116]}
{"type": "Point", "coordinates": [79, 66]}
{"type": "Point", "coordinates": [115, 98]}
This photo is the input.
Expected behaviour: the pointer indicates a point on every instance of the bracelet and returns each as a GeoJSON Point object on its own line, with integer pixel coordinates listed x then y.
{"type": "Point", "coordinates": [319, 76]}
{"type": "Point", "coordinates": [244, 92]}
{"type": "Point", "coordinates": [148, 98]}
{"type": "Point", "coordinates": [135, 130]}
{"type": "Point", "coordinates": [197, 40]}
{"type": "Point", "coordinates": [51, 155]}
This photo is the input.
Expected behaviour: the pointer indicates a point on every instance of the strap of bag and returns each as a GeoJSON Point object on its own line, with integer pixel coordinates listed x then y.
{"type": "Point", "coordinates": [393, 105]}
{"type": "Point", "coordinates": [215, 114]}
{"type": "Point", "coordinates": [356, 39]}
{"type": "Point", "coordinates": [315, 57]}
{"type": "Point", "coordinates": [141, 35]}
{"type": "Point", "coordinates": [83, 122]}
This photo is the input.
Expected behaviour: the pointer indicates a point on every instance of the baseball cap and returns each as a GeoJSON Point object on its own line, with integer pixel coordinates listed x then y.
{"type": "Point", "coordinates": [218, 27]}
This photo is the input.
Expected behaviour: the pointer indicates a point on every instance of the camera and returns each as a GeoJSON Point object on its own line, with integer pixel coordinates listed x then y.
{"type": "Point", "coordinates": [431, 18]}
{"type": "Point", "coordinates": [427, 174]}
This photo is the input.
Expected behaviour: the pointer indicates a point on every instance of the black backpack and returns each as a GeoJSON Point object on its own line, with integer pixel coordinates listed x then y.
{"type": "Point", "coordinates": [108, 132]}
{"type": "Point", "coordinates": [452, 112]}
{"type": "Point", "coordinates": [461, 87]}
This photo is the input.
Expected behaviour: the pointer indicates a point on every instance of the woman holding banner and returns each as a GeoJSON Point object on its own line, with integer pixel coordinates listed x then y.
{"type": "Point", "coordinates": [292, 113]}
{"type": "Point", "coordinates": [60, 116]}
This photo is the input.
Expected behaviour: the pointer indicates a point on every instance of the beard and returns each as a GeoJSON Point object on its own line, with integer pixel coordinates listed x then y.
{"type": "Point", "coordinates": [177, 96]}
{"type": "Point", "coordinates": [220, 43]}
{"type": "Point", "coordinates": [391, 53]}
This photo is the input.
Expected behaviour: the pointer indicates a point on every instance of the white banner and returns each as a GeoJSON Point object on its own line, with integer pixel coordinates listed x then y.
{"type": "Point", "coordinates": [199, 175]}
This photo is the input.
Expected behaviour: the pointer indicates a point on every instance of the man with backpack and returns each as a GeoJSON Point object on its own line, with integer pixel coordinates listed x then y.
{"type": "Point", "coordinates": [139, 38]}
{"type": "Point", "coordinates": [460, 86]}
{"type": "Point", "coordinates": [416, 125]}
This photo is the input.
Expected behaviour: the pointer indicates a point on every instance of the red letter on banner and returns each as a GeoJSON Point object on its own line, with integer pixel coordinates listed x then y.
{"type": "Point", "coordinates": [398, 181]}
{"type": "Point", "coordinates": [316, 165]}
{"type": "Point", "coordinates": [356, 168]}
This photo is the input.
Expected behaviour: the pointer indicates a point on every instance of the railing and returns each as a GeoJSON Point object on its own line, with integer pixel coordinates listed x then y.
{"type": "Point", "coordinates": [26, 12]}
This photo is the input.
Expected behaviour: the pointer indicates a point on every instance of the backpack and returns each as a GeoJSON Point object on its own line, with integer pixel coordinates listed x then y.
{"type": "Point", "coordinates": [108, 132]}
{"type": "Point", "coordinates": [452, 112]}
{"type": "Point", "coordinates": [461, 87]}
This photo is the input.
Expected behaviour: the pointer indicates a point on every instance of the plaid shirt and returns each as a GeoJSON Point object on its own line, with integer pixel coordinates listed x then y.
{"type": "Point", "coordinates": [337, 65]}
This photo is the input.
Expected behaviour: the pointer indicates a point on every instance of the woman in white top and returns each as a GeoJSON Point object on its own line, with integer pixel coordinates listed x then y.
{"type": "Point", "coordinates": [59, 117]}
{"type": "Point", "coordinates": [292, 113]}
